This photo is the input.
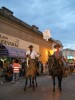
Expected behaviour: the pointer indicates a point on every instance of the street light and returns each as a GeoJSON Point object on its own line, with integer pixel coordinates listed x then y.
{"type": "Point", "coordinates": [46, 35]}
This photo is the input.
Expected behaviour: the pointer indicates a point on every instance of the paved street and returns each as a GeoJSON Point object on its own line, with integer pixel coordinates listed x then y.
{"type": "Point", "coordinates": [15, 91]}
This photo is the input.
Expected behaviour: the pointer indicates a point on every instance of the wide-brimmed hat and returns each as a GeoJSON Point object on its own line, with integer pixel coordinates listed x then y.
{"type": "Point", "coordinates": [30, 46]}
{"type": "Point", "coordinates": [55, 46]}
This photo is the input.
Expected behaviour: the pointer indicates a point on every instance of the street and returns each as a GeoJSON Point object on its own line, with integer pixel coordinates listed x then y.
{"type": "Point", "coordinates": [9, 91]}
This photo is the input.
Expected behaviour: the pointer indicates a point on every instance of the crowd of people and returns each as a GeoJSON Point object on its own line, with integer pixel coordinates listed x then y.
{"type": "Point", "coordinates": [15, 69]}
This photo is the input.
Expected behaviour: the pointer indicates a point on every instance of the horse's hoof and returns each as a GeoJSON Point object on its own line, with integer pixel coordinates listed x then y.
{"type": "Point", "coordinates": [24, 89]}
{"type": "Point", "coordinates": [30, 85]}
{"type": "Point", "coordinates": [60, 92]}
{"type": "Point", "coordinates": [33, 88]}
{"type": "Point", "coordinates": [58, 88]}
{"type": "Point", "coordinates": [36, 85]}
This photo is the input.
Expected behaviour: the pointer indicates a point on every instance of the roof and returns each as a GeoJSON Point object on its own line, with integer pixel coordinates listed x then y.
{"type": "Point", "coordinates": [68, 49]}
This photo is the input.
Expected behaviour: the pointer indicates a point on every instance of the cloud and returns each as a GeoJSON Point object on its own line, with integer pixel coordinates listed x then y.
{"type": "Point", "coordinates": [56, 15]}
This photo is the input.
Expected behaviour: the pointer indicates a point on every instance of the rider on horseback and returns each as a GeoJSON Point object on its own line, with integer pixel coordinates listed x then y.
{"type": "Point", "coordinates": [33, 54]}
{"type": "Point", "coordinates": [59, 56]}
{"type": "Point", "coordinates": [31, 67]}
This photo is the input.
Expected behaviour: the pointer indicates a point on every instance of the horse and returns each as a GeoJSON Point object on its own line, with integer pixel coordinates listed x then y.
{"type": "Point", "coordinates": [55, 70]}
{"type": "Point", "coordinates": [30, 72]}
{"type": "Point", "coordinates": [71, 69]}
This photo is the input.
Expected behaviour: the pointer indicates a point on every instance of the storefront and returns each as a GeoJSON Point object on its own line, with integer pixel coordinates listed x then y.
{"type": "Point", "coordinates": [7, 52]}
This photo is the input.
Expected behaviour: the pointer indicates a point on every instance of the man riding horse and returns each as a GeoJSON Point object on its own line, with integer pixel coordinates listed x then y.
{"type": "Point", "coordinates": [56, 65]}
{"type": "Point", "coordinates": [31, 66]}
{"type": "Point", "coordinates": [59, 57]}
{"type": "Point", "coordinates": [33, 54]}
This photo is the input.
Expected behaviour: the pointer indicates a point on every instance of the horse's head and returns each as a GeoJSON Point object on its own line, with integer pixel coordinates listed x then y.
{"type": "Point", "coordinates": [50, 60]}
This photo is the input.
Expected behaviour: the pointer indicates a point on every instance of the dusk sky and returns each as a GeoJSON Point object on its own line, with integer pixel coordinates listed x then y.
{"type": "Point", "coordinates": [56, 15]}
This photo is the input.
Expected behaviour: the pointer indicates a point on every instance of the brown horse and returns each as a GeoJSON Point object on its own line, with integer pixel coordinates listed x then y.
{"type": "Point", "coordinates": [55, 70]}
{"type": "Point", "coordinates": [30, 72]}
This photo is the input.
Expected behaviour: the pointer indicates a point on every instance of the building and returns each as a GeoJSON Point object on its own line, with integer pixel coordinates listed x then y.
{"type": "Point", "coordinates": [18, 34]}
{"type": "Point", "coordinates": [69, 54]}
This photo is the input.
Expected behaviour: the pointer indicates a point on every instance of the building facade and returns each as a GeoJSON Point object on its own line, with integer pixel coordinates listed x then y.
{"type": "Point", "coordinates": [69, 54]}
{"type": "Point", "coordinates": [18, 34]}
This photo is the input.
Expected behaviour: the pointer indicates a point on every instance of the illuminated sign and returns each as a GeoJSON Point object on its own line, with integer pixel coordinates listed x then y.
{"type": "Point", "coordinates": [70, 57]}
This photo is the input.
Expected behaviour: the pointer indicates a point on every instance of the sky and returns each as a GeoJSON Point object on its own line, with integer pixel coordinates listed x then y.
{"type": "Point", "coordinates": [58, 16]}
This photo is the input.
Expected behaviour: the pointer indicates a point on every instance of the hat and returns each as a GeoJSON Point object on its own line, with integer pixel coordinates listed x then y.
{"type": "Point", "coordinates": [57, 46]}
{"type": "Point", "coordinates": [30, 46]}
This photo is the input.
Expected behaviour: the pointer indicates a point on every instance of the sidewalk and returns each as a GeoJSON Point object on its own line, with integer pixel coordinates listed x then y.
{"type": "Point", "coordinates": [2, 79]}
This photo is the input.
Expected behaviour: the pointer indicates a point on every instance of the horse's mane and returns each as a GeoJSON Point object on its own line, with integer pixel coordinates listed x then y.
{"type": "Point", "coordinates": [55, 64]}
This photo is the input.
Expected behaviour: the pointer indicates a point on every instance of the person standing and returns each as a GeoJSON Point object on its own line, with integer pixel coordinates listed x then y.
{"type": "Point", "coordinates": [1, 68]}
{"type": "Point", "coordinates": [16, 70]}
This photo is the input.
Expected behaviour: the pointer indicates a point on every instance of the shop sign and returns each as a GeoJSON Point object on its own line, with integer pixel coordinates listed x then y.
{"type": "Point", "coordinates": [8, 40]}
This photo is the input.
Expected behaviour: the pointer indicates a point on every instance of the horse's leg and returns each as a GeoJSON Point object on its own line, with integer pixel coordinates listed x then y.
{"type": "Point", "coordinates": [53, 77]}
{"type": "Point", "coordinates": [30, 81]}
{"type": "Point", "coordinates": [59, 82]}
{"type": "Point", "coordinates": [33, 83]}
{"type": "Point", "coordinates": [36, 81]}
{"type": "Point", "coordinates": [25, 84]}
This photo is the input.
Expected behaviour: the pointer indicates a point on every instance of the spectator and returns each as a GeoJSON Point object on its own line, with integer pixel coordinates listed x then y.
{"type": "Point", "coordinates": [46, 66]}
{"type": "Point", "coordinates": [16, 69]}
{"type": "Point", "coordinates": [8, 75]}
{"type": "Point", "coordinates": [1, 68]}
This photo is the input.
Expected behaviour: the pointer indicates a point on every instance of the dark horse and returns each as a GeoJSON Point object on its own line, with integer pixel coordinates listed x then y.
{"type": "Point", "coordinates": [30, 72]}
{"type": "Point", "coordinates": [55, 70]}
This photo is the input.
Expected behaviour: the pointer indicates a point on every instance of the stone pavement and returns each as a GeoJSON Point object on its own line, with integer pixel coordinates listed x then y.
{"type": "Point", "coordinates": [42, 92]}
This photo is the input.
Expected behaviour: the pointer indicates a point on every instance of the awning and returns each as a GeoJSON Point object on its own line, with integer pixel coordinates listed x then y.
{"type": "Point", "coordinates": [12, 51]}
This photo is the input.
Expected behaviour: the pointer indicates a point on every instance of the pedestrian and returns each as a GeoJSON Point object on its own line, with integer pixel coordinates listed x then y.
{"type": "Point", "coordinates": [46, 66]}
{"type": "Point", "coordinates": [1, 68]}
{"type": "Point", "coordinates": [16, 70]}
{"type": "Point", "coordinates": [8, 75]}
{"type": "Point", "coordinates": [41, 66]}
